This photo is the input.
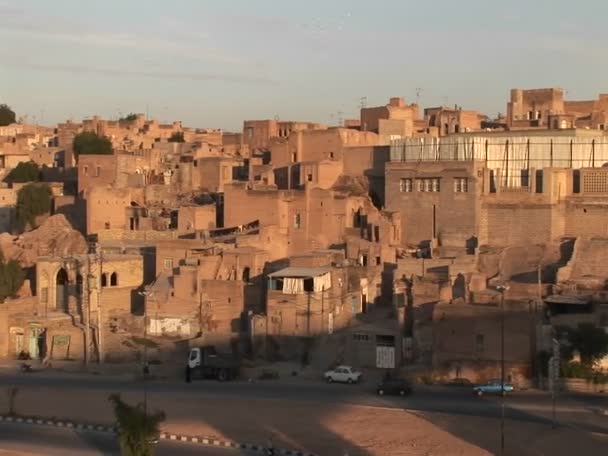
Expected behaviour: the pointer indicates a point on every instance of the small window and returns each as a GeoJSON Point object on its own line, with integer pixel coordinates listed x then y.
{"type": "Point", "coordinates": [309, 177]}
{"type": "Point", "coordinates": [405, 185]}
{"type": "Point", "coordinates": [85, 170]}
{"type": "Point", "coordinates": [104, 280]}
{"type": "Point", "coordinates": [361, 337]}
{"type": "Point", "coordinates": [378, 261]}
{"type": "Point", "coordinates": [297, 222]}
{"type": "Point", "coordinates": [479, 342]}
{"type": "Point", "coordinates": [97, 171]}
{"type": "Point", "coordinates": [461, 185]}
{"type": "Point", "coordinates": [114, 280]}
{"type": "Point", "coordinates": [363, 260]}
{"type": "Point", "coordinates": [331, 155]}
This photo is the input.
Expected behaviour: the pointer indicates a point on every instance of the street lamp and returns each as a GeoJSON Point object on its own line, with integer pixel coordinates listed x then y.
{"type": "Point", "coordinates": [501, 289]}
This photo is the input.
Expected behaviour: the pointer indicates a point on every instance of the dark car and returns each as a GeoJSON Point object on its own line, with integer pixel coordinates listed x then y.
{"type": "Point", "coordinates": [460, 382]}
{"type": "Point", "coordinates": [398, 386]}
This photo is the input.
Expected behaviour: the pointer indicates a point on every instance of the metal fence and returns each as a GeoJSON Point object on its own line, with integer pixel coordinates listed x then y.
{"type": "Point", "coordinates": [514, 156]}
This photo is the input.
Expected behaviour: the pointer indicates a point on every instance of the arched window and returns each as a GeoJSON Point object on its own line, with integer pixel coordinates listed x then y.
{"type": "Point", "coordinates": [113, 279]}
{"type": "Point", "coordinates": [104, 280]}
{"type": "Point", "coordinates": [61, 290]}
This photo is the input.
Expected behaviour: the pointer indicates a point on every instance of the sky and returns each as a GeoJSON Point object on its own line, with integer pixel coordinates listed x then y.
{"type": "Point", "coordinates": [213, 64]}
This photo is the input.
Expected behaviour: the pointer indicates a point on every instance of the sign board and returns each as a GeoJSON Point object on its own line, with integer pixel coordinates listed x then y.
{"type": "Point", "coordinates": [61, 341]}
{"type": "Point", "coordinates": [385, 357]}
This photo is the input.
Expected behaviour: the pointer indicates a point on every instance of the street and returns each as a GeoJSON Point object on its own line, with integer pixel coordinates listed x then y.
{"type": "Point", "coordinates": [42, 440]}
{"type": "Point", "coordinates": [250, 412]}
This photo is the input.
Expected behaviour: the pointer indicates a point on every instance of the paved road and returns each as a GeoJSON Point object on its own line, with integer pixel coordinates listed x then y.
{"type": "Point", "coordinates": [528, 405]}
{"type": "Point", "coordinates": [22, 440]}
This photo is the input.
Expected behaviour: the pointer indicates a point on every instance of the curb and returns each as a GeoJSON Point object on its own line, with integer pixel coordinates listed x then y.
{"type": "Point", "coordinates": [163, 435]}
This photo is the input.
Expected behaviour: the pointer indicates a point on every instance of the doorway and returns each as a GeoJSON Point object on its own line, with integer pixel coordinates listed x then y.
{"type": "Point", "coordinates": [61, 282]}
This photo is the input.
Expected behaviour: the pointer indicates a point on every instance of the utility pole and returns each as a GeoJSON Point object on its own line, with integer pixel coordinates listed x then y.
{"type": "Point", "coordinates": [502, 372]}
{"type": "Point", "coordinates": [86, 298]}
{"type": "Point", "coordinates": [145, 369]}
{"type": "Point", "coordinates": [501, 289]}
{"type": "Point", "coordinates": [100, 349]}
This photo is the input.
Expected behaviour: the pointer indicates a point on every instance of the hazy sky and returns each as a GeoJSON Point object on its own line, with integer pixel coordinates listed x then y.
{"type": "Point", "coordinates": [215, 63]}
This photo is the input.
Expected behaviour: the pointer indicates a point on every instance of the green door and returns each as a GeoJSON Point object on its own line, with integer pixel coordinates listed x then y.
{"type": "Point", "coordinates": [34, 335]}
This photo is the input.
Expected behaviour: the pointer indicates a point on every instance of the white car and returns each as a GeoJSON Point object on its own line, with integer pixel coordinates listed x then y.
{"type": "Point", "coordinates": [342, 374]}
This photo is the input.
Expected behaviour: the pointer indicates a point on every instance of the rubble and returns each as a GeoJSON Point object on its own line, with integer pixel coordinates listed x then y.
{"type": "Point", "coordinates": [55, 236]}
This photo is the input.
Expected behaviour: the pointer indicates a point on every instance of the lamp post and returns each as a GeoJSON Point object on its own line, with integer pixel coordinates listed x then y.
{"type": "Point", "coordinates": [501, 289]}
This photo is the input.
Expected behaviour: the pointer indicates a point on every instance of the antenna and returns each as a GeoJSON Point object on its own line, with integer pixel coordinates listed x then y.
{"type": "Point", "coordinates": [363, 102]}
{"type": "Point", "coordinates": [418, 92]}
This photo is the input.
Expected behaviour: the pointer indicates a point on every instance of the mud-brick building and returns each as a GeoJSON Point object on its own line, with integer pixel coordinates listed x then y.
{"type": "Point", "coordinates": [513, 188]}
{"type": "Point", "coordinates": [85, 305]}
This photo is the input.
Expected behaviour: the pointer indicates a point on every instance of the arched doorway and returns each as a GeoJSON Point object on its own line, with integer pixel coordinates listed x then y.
{"type": "Point", "coordinates": [459, 288]}
{"type": "Point", "coordinates": [61, 291]}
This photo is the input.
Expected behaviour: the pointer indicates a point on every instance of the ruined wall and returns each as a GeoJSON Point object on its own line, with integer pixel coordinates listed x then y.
{"type": "Point", "coordinates": [192, 218]}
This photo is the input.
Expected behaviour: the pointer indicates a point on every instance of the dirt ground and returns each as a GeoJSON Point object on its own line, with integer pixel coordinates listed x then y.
{"type": "Point", "coordinates": [324, 430]}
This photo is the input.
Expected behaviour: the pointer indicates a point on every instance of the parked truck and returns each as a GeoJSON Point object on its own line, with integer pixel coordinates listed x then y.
{"type": "Point", "coordinates": [206, 362]}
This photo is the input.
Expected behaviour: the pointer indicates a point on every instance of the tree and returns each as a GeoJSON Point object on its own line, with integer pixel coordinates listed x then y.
{"type": "Point", "coordinates": [177, 137]}
{"type": "Point", "coordinates": [590, 341]}
{"type": "Point", "coordinates": [129, 117]}
{"type": "Point", "coordinates": [33, 200]}
{"type": "Point", "coordinates": [137, 429]}
{"type": "Point", "coordinates": [7, 115]}
{"type": "Point", "coordinates": [24, 172]}
{"type": "Point", "coordinates": [11, 278]}
{"type": "Point", "coordinates": [89, 143]}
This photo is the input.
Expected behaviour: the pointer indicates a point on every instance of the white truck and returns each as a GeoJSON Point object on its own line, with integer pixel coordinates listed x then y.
{"type": "Point", "coordinates": [206, 362]}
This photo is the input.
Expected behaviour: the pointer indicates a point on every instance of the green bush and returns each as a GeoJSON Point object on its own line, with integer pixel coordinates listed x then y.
{"type": "Point", "coordinates": [24, 172]}
{"type": "Point", "coordinates": [33, 200]}
{"type": "Point", "coordinates": [7, 115]}
{"type": "Point", "coordinates": [137, 428]}
{"type": "Point", "coordinates": [89, 143]}
{"type": "Point", "coordinates": [11, 278]}
{"type": "Point", "coordinates": [574, 369]}
{"type": "Point", "coordinates": [177, 137]}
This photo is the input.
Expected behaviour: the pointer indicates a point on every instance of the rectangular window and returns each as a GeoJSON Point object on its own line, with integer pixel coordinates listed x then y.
{"type": "Point", "coordinates": [309, 177]}
{"type": "Point", "coordinates": [461, 185]}
{"type": "Point", "coordinates": [297, 222]}
{"type": "Point", "coordinates": [361, 337]}
{"type": "Point", "coordinates": [429, 185]}
{"type": "Point", "coordinates": [85, 170]}
{"type": "Point", "coordinates": [405, 185]}
{"type": "Point", "coordinates": [97, 171]}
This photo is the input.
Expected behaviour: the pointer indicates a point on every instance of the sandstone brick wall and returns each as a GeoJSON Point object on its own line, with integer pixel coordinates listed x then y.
{"type": "Point", "coordinates": [586, 218]}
